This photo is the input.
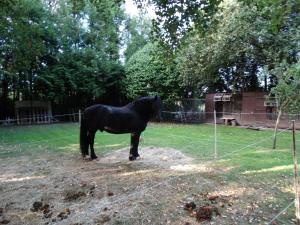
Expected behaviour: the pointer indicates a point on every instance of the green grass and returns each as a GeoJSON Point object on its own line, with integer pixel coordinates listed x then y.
{"type": "Point", "coordinates": [248, 154]}
{"type": "Point", "coordinates": [242, 149]}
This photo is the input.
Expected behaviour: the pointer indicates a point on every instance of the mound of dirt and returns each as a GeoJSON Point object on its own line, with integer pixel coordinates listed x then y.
{"type": "Point", "coordinates": [63, 189]}
{"type": "Point", "coordinates": [111, 184]}
{"type": "Point", "coordinates": [150, 156]}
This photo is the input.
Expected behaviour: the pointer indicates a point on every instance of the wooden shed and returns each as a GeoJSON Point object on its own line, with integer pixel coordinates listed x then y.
{"type": "Point", "coordinates": [28, 112]}
{"type": "Point", "coordinates": [246, 108]}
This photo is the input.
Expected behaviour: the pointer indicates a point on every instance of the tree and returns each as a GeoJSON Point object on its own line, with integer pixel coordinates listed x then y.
{"type": "Point", "coordinates": [176, 18]}
{"type": "Point", "coordinates": [136, 34]}
{"type": "Point", "coordinates": [287, 91]}
{"type": "Point", "coordinates": [65, 51]}
{"type": "Point", "coordinates": [148, 72]}
{"type": "Point", "coordinates": [228, 56]}
{"type": "Point", "coordinates": [284, 54]}
{"type": "Point", "coordinates": [23, 45]}
{"type": "Point", "coordinates": [232, 55]}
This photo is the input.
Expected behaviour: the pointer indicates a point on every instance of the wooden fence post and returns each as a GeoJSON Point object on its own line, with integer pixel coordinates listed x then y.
{"type": "Point", "coordinates": [215, 121]}
{"type": "Point", "coordinates": [276, 128]}
{"type": "Point", "coordinates": [79, 117]}
{"type": "Point", "coordinates": [296, 177]}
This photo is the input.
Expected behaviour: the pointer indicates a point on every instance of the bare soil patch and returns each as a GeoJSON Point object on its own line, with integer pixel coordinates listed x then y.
{"type": "Point", "coordinates": [63, 189]}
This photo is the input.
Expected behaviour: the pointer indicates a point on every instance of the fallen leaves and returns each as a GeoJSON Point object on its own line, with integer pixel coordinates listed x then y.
{"type": "Point", "coordinates": [206, 213]}
{"type": "Point", "coordinates": [71, 195]}
{"type": "Point", "coordinates": [208, 206]}
{"type": "Point", "coordinates": [64, 214]}
{"type": "Point", "coordinates": [190, 206]}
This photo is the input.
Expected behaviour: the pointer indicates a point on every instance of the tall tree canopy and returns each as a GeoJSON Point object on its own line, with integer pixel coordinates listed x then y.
{"type": "Point", "coordinates": [149, 72]}
{"type": "Point", "coordinates": [233, 54]}
{"type": "Point", "coordinates": [176, 18]}
{"type": "Point", "coordinates": [65, 51]}
{"type": "Point", "coordinates": [136, 35]}
{"type": "Point", "coordinates": [75, 53]}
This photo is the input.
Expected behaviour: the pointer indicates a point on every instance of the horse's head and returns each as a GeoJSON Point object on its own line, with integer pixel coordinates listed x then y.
{"type": "Point", "coordinates": [148, 107]}
{"type": "Point", "coordinates": [156, 106]}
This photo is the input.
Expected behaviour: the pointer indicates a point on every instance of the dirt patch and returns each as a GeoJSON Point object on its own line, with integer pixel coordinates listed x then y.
{"type": "Point", "coordinates": [71, 195]}
{"type": "Point", "coordinates": [63, 189]}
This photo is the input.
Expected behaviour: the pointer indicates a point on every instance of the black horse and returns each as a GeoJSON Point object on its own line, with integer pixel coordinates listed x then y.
{"type": "Point", "coordinates": [131, 118]}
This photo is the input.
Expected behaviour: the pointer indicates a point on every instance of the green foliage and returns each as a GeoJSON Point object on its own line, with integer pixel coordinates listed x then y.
{"type": "Point", "coordinates": [68, 51]}
{"type": "Point", "coordinates": [65, 51]}
{"type": "Point", "coordinates": [275, 11]}
{"type": "Point", "coordinates": [149, 72]}
{"type": "Point", "coordinates": [287, 91]}
{"type": "Point", "coordinates": [195, 65]}
{"type": "Point", "coordinates": [232, 54]}
{"type": "Point", "coordinates": [137, 34]}
{"type": "Point", "coordinates": [284, 52]}
{"type": "Point", "coordinates": [228, 55]}
{"type": "Point", "coordinates": [176, 18]}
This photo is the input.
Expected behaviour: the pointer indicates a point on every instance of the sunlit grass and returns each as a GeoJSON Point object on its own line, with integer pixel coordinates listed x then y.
{"type": "Point", "coordinates": [246, 156]}
{"type": "Point", "coordinates": [239, 148]}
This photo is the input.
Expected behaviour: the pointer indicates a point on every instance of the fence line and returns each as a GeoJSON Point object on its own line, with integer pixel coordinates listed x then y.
{"type": "Point", "coordinates": [212, 136]}
{"type": "Point", "coordinates": [224, 112]}
{"type": "Point", "coordinates": [230, 153]}
{"type": "Point", "coordinates": [173, 135]}
{"type": "Point", "coordinates": [167, 112]}
{"type": "Point", "coordinates": [281, 212]}
{"type": "Point", "coordinates": [253, 144]}
{"type": "Point", "coordinates": [39, 117]}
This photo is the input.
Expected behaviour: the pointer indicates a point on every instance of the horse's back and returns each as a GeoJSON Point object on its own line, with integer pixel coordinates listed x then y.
{"type": "Point", "coordinates": [113, 119]}
{"type": "Point", "coordinates": [106, 110]}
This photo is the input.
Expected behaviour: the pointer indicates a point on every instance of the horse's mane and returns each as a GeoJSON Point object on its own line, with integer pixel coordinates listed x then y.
{"type": "Point", "coordinates": [143, 106]}
{"type": "Point", "coordinates": [140, 101]}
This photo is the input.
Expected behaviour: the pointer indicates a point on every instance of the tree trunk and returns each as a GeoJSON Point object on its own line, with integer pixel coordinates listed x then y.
{"type": "Point", "coordinates": [266, 83]}
{"type": "Point", "coordinates": [4, 98]}
{"type": "Point", "coordinates": [282, 106]}
{"type": "Point", "coordinates": [4, 88]}
{"type": "Point", "coordinates": [276, 128]}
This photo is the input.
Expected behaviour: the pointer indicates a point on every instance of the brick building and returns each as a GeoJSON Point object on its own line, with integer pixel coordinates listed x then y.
{"type": "Point", "coordinates": [247, 108]}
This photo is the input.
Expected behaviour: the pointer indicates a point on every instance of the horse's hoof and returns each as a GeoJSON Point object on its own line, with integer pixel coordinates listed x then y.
{"type": "Point", "coordinates": [131, 158]}
{"type": "Point", "coordinates": [86, 158]}
{"type": "Point", "coordinates": [94, 157]}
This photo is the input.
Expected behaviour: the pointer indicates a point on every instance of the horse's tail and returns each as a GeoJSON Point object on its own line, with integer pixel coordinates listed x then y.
{"type": "Point", "coordinates": [83, 137]}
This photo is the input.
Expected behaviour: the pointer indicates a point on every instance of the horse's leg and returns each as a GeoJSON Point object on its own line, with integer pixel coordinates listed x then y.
{"type": "Point", "coordinates": [137, 141]}
{"type": "Point", "coordinates": [133, 154]}
{"type": "Point", "coordinates": [91, 141]}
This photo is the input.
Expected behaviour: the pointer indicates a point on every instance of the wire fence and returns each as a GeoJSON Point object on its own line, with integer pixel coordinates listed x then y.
{"type": "Point", "coordinates": [202, 141]}
{"type": "Point", "coordinates": [41, 119]}
{"type": "Point", "coordinates": [250, 119]}
{"type": "Point", "coordinates": [172, 116]}
{"type": "Point", "coordinates": [254, 120]}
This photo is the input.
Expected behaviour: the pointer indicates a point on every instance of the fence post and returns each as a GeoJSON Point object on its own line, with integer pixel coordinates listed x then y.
{"type": "Point", "coordinates": [276, 128]}
{"type": "Point", "coordinates": [74, 115]}
{"type": "Point", "coordinates": [215, 121]}
{"type": "Point", "coordinates": [79, 117]}
{"type": "Point", "coordinates": [296, 177]}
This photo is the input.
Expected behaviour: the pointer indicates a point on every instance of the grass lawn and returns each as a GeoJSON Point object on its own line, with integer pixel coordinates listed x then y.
{"type": "Point", "coordinates": [244, 149]}
{"type": "Point", "coordinates": [247, 154]}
